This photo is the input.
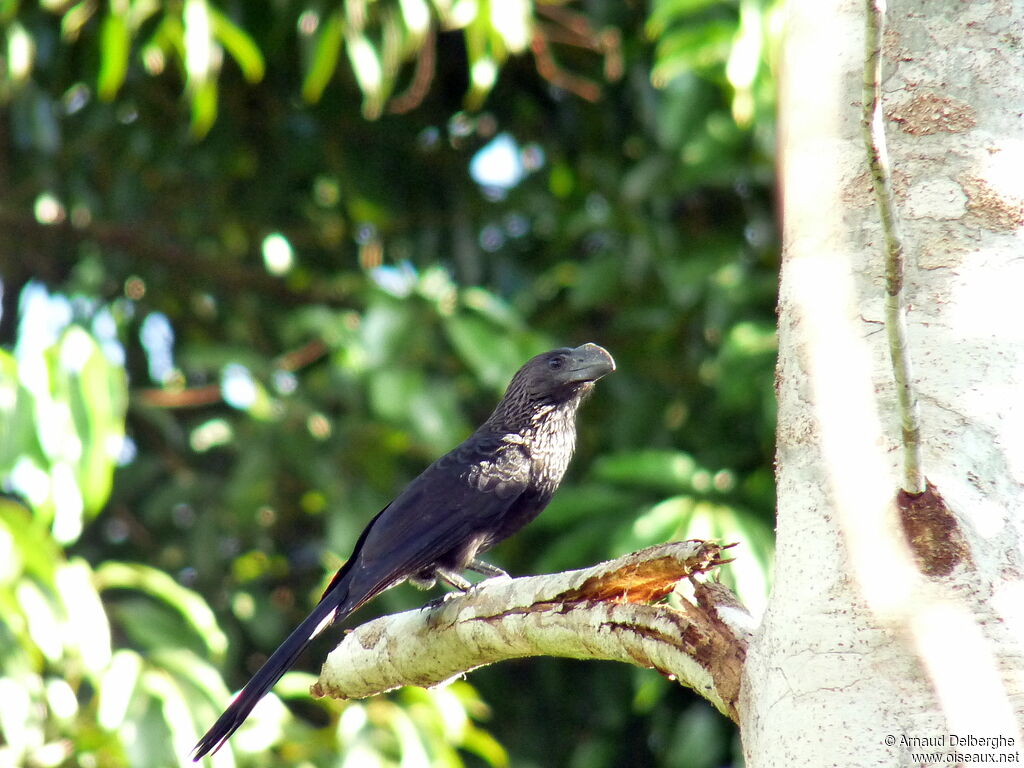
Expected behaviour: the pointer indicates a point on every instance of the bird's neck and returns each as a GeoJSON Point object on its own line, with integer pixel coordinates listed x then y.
{"type": "Point", "coordinates": [550, 420]}
{"type": "Point", "coordinates": [533, 420]}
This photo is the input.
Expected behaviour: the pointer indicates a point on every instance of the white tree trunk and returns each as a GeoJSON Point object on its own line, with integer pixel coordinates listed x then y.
{"type": "Point", "coordinates": [877, 648]}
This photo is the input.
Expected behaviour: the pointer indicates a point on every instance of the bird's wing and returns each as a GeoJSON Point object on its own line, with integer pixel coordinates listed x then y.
{"type": "Point", "coordinates": [461, 496]}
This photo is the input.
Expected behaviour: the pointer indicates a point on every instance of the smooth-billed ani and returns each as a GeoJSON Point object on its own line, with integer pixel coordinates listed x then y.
{"type": "Point", "coordinates": [498, 480]}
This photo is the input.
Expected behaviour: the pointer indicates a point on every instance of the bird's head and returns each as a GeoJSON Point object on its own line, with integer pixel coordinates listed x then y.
{"type": "Point", "coordinates": [561, 375]}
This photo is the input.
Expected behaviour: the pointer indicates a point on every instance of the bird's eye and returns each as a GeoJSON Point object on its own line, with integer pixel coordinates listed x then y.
{"type": "Point", "coordinates": [555, 363]}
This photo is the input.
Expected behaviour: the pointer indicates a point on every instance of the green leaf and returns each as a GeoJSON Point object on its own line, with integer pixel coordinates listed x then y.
{"type": "Point", "coordinates": [149, 625]}
{"type": "Point", "coordinates": [97, 392]}
{"type": "Point", "coordinates": [484, 61]}
{"type": "Point", "coordinates": [10, 559]}
{"type": "Point", "coordinates": [599, 282]}
{"type": "Point", "coordinates": [8, 9]}
{"type": "Point", "coordinates": [684, 517]}
{"type": "Point", "coordinates": [436, 417]}
{"type": "Point", "coordinates": [430, 409]}
{"type": "Point", "coordinates": [295, 685]}
{"type": "Point", "coordinates": [177, 714]}
{"type": "Point", "coordinates": [585, 542]}
{"type": "Point", "coordinates": [366, 65]}
{"type": "Point", "coordinates": [495, 309]}
{"type": "Point", "coordinates": [115, 47]}
{"type": "Point", "coordinates": [692, 48]}
{"type": "Point", "coordinates": [656, 470]}
{"type": "Point", "coordinates": [485, 746]}
{"type": "Point", "coordinates": [17, 416]}
{"type": "Point", "coordinates": [665, 521]}
{"type": "Point", "coordinates": [585, 502]}
{"type": "Point", "coordinates": [239, 44]}
{"type": "Point", "coordinates": [186, 666]}
{"type": "Point", "coordinates": [325, 57]}
{"type": "Point", "coordinates": [44, 623]}
{"type": "Point", "coordinates": [157, 584]}
{"type": "Point", "coordinates": [169, 36]}
{"type": "Point", "coordinates": [116, 688]}
{"type": "Point", "coordinates": [416, 16]}
{"type": "Point", "coordinates": [666, 13]}
{"type": "Point", "coordinates": [392, 47]}
{"type": "Point", "coordinates": [37, 551]}
{"type": "Point", "coordinates": [413, 748]}
{"type": "Point", "coordinates": [511, 23]}
{"type": "Point", "coordinates": [19, 717]}
{"type": "Point", "coordinates": [88, 631]}
{"type": "Point", "coordinates": [203, 100]}
{"type": "Point", "coordinates": [392, 390]}
{"type": "Point", "coordinates": [74, 18]}
{"type": "Point", "coordinates": [484, 348]}
{"type": "Point", "coordinates": [645, 179]}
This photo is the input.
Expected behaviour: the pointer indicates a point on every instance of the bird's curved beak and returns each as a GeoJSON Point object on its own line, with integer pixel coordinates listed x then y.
{"type": "Point", "coordinates": [589, 362]}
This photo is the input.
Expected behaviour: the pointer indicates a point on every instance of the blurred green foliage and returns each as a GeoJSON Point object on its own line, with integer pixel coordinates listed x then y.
{"type": "Point", "coordinates": [261, 263]}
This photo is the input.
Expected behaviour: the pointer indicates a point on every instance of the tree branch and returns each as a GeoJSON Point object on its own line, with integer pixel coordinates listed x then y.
{"type": "Point", "coordinates": [138, 241]}
{"type": "Point", "coordinates": [895, 315]}
{"type": "Point", "coordinates": [209, 394]}
{"type": "Point", "coordinates": [602, 612]}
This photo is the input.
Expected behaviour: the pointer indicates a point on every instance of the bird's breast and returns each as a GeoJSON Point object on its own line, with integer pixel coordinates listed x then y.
{"type": "Point", "coordinates": [550, 452]}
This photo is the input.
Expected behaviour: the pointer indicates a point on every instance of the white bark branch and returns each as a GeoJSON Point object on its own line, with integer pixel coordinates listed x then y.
{"type": "Point", "coordinates": [602, 612]}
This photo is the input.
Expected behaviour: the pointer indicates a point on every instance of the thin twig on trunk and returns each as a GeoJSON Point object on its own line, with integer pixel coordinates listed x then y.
{"type": "Point", "coordinates": [895, 313]}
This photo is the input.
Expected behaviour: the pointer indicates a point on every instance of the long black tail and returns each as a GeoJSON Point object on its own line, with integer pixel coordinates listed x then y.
{"type": "Point", "coordinates": [333, 606]}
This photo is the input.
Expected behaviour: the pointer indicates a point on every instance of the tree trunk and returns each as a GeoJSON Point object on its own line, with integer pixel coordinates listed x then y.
{"type": "Point", "coordinates": [896, 624]}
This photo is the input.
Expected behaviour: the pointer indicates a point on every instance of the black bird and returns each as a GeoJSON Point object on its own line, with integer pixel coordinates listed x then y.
{"type": "Point", "coordinates": [498, 480]}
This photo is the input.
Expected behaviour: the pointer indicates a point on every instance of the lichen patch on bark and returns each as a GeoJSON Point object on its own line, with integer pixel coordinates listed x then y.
{"type": "Point", "coordinates": [989, 209]}
{"type": "Point", "coordinates": [928, 113]}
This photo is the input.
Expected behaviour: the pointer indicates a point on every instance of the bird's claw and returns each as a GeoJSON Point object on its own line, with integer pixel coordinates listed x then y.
{"type": "Point", "coordinates": [437, 602]}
